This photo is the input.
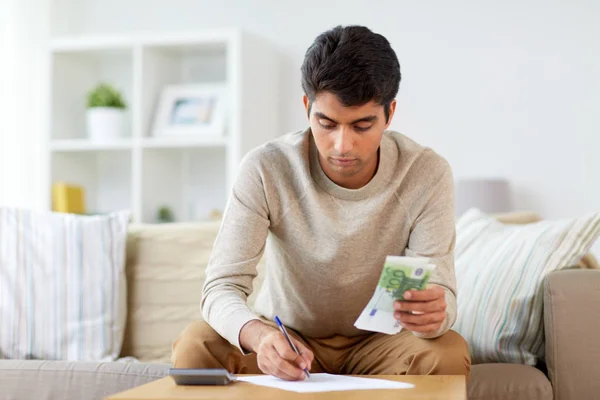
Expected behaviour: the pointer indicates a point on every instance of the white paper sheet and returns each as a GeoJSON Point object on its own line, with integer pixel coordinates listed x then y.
{"type": "Point", "coordinates": [325, 383]}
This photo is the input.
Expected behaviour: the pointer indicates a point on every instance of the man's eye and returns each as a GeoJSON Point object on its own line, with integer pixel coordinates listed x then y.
{"type": "Point", "coordinates": [362, 128]}
{"type": "Point", "coordinates": [326, 125]}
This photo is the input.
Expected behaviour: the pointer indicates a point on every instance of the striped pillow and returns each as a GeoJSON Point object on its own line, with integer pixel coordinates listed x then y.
{"type": "Point", "coordinates": [500, 269]}
{"type": "Point", "coordinates": [62, 285]}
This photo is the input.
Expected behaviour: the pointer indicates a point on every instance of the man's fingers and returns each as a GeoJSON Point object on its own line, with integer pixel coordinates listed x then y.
{"type": "Point", "coordinates": [421, 306]}
{"type": "Point", "coordinates": [287, 353]}
{"type": "Point", "coordinates": [284, 369]}
{"type": "Point", "coordinates": [432, 292]}
{"type": "Point", "coordinates": [266, 363]}
{"type": "Point", "coordinates": [271, 362]}
{"type": "Point", "coordinates": [420, 319]}
{"type": "Point", "coordinates": [305, 352]}
{"type": "Point", "coordinates": [304, 360]}
{"type": "Point", "coordinates": [274, 371]}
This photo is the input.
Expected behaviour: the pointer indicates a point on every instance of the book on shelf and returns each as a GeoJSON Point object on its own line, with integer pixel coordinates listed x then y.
{"type": "Point", "coordinates": [68, 198]}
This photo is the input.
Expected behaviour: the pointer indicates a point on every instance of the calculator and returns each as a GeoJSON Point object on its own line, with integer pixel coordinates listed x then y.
{"type": "Point", "coordinates": [194, 376]}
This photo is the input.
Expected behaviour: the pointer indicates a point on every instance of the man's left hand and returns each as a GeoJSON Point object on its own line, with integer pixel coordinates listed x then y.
{"type": "Point", "coordinates": [429, 305]}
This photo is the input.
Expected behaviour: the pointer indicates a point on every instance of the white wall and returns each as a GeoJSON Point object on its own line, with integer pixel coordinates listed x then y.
{"type": "Point", "coordinates": [24, 29]}
{"type": "Point", "coordinates": [507, 88]}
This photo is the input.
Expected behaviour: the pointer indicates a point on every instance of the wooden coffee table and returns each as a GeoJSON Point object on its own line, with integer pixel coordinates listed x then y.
{"type": "Point", "coordinates": [426, 387]}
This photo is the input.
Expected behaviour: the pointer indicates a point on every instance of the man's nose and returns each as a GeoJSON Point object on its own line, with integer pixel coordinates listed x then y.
{"type": "Point", "coordinates": [343, 141]}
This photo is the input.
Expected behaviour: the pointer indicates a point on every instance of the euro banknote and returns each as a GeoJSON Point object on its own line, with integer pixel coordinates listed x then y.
{"type": "Point", "coordinates": [399, 274]}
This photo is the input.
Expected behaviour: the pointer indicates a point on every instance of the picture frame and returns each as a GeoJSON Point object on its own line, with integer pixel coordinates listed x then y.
{"type": "Point", "coordinates": [191, 110]}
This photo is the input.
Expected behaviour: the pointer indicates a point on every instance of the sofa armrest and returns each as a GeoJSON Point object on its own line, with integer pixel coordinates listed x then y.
{"type": "Point", "coordinates": [572, 329]}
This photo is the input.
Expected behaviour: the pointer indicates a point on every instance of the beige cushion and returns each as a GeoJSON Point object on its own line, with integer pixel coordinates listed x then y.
{"type": "Point", "coordinates": [508, 382]}
{"type": "Point", "coordinates": [518, 217]}
{"type": "Point", "coordinates": [165, 272]}
{"type": "Point", "coordinates": [528, 217]}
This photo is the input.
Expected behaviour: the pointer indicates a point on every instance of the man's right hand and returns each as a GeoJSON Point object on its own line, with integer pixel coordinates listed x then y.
{"type": "Point", "coordinates": [273, 352]}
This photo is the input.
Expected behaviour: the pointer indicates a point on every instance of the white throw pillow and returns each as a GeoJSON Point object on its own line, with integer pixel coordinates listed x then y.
{"type": "Point", "coordinates": [62, 285]}
{"type": "Point", "coordinates": [500, 270]}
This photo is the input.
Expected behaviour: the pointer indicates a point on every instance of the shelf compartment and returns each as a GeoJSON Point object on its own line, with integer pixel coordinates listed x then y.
{"type": "Point", "coordinates": [105, 176]}
{"type": "Point", "coordinates": [191, 182]}
{"type": "Point", "coordinates": [74, 74]}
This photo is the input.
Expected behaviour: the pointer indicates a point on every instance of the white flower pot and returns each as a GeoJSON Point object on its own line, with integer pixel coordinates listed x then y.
{"type": "Point", "coordinates": [105, 123]}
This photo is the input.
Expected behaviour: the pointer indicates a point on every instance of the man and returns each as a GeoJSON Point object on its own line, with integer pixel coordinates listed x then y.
{"type": "Point", "coordinates": [327, 205]}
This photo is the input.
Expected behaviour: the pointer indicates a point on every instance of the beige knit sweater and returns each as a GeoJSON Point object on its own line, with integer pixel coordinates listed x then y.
{"type": "Point", "coordinates": [325, 245]}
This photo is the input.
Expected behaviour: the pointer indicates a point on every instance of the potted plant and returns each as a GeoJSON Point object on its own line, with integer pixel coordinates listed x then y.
{"type": "Point", "coordinates": [164, 215]}
{"type": "Point", "coordinates": [106, 113]}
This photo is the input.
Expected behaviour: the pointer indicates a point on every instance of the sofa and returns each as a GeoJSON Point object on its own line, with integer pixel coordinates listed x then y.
{"type": "Point", "coordinates": [165, 271]}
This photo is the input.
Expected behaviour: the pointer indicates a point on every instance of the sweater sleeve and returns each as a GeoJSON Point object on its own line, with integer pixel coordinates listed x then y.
{"type": "Point", "coordinates": [237, 250]}
{"type": "Point", "coordinates": [433, 235]}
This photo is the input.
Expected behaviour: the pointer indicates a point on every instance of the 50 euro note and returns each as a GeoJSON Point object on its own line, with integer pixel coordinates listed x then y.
{"type": "Point", "coordinates": [399, 274]}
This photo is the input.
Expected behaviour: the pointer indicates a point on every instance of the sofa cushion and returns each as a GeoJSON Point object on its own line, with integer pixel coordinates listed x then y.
{"type": "Point", "coordinates": [62, 285]}
{"type": "Point", "coordinates": [165, 273]}
{"type": "Point", "coordinates": [528, 217]}
{"type": "Point", "coordinates": [500, 269]}
{"type": "Point", "coordinates": [508, 382]}
{"type": "Point", "coordinates": [65, 380]}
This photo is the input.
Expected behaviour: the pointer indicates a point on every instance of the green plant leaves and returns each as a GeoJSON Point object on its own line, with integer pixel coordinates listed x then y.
{"type": "Point", "coordinates": [105, 95]}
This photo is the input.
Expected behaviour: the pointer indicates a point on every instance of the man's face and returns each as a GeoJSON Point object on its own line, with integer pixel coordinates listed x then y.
{"type": "Point", "coordinates": [347, 138]}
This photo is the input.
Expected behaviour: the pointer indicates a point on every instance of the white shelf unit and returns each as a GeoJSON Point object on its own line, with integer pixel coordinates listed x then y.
{"type": "Point", "coordinates": [192, 176]}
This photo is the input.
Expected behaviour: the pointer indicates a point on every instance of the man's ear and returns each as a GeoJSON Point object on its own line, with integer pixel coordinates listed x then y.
{"type": "Point", "coordinates": [391, 115]}
{"type": "Point", "coordinates": [306, 102]}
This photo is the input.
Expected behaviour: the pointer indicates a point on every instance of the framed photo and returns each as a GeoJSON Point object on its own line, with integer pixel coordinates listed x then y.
{"type": "Point", "coordinates": [191, 110]}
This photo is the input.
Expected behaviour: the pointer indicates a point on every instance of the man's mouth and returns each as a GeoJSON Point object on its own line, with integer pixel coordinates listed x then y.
{"type": "Point", "coordinates": [343, 161]}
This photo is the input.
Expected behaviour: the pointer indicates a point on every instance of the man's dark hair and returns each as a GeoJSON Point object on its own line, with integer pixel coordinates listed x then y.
{"type": "Point", "coordinates": [355, 64]}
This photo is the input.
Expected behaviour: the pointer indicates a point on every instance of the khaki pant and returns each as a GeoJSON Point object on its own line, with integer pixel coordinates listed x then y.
{"type": "Point", "coordinates": [199, 346]}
